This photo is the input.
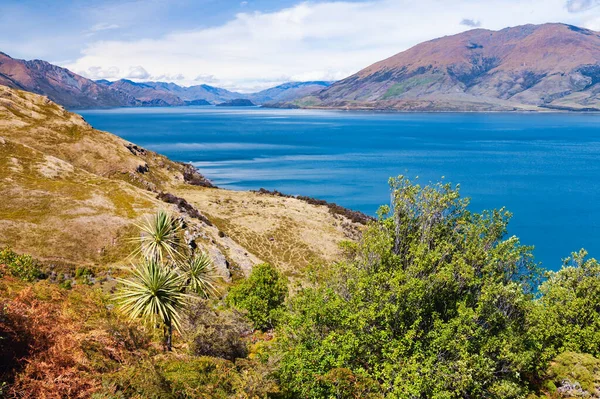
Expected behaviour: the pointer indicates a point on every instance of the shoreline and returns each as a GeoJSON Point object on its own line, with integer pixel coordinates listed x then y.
{"type": "Point", "coordinates": [542, 111]}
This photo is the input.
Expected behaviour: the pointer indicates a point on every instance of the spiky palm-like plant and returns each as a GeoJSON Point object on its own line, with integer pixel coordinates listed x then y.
{"type": "Point", "coordinates": [154, 293]}
{"type": "Point", "coordinates": [199, 274]}
{"type": "Point", "coordinates": [160, 238]}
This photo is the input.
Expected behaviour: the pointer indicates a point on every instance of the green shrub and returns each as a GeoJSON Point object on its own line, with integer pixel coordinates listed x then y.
{"type": "Point", "coordinates": [83, 272]}
{"type": "Point", "coordinates": [24, 267]}
{"type": "Point", "coordinates": [189, 378]}
{"type": "Point", "coordinates": [215, 334]}
{"type": "Point", "coordinates": [260, 295]}
{"type": "Point", "coordinates": [566, 317]}
{"type": "Point", "coordinates": [66, 284]}
{"type": "Point", "coordinates": [83, 275]}
{"type": "Point", "coordinates": [433, 304]}
{"type": "Point", "coordinates": [573, 375]}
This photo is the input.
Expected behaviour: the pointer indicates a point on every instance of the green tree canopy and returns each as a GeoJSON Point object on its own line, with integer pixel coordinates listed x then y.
{"type": "Point", "coordinates": [260, 295]}
{"type": "Point", "coordinates": [433, 304]}
{"type": "Point", "coordinates": [567, 316]}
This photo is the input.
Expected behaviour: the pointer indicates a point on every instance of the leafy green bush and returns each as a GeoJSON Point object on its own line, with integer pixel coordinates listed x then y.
{"type": "Point", "coordinates": [189, 378]}
{"type": "Point", "coordinates": [567, 317]}
{"type": "Point", "coordinates": [83, 275]}
{"type": "Point", "coordinates": [66, 284]}
{"type": "Point", "coordinates": [260, 295]}
{"type": "Point", "coordinates": [434, 304]}
{"type": "Point", "coordinates": [24, 267]}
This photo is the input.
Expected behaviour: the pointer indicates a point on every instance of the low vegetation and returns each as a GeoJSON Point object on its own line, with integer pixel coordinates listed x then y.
{"type": "Point", "coordinates": [23, 267]}
{"type": "Point", "coordinates": [433, 301]}
{"type": "Point", "coordinates": [261, 295]}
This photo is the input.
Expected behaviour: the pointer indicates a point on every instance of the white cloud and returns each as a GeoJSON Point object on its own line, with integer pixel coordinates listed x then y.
{"type": "Point", "coordinates": [592, 23]}
{"type": "Point", "coordinates": [97, 72]}
{"type": "Point", "coordinates": [208, 79]}
{"type": "Point", "coordinates": [472, 23]}
{"type": "Point", "coordinates": [137, 72]}
{"type": "Point", "coordinates": [100, 27]}
{"type": "Point", "coordinates": [167, 77]}
{"type": "Point", "coordinates": [103, 26]}
{"type": "Point", "coordinates": [310, 41]}
{"type": "Point", "coordinates": [581, 5]}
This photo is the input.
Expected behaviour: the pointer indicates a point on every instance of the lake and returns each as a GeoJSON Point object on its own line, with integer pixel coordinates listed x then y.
{"type": "Point", "coordinates": [544, 168]}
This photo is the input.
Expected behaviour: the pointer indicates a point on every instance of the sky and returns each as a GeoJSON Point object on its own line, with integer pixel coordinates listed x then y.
{"type": "Point", "coordinates": [254, 44]}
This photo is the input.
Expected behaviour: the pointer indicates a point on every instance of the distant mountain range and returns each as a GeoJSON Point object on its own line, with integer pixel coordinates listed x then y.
{"type": "Point", "coordinates": [60, 84]}
{"type": "Point", "coordinates": [75, 91]}
{"type": "Point", "coordinates": [171, 94]}
{"type": "Point", "coordinates": [531, 67]}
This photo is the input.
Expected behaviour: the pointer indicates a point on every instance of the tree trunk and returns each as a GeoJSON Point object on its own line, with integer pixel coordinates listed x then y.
{"type": "Point", "coordinates": [168, 336]}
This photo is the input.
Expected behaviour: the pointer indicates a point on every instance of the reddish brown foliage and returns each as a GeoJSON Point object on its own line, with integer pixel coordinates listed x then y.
{"type": "Point", "coordinates": [46, 360]}
{"type": "Point", "coordinates": [51, 347]}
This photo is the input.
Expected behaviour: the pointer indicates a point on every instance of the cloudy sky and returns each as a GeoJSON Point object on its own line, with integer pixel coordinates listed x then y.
{"type": "Point", "coordinates": [253, 44]}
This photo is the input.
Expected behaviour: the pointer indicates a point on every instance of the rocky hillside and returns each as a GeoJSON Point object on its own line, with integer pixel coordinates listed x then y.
{"type": "Point", "coordinates": [531, 67]}
{"type": "Point", "coordinates": [59, 84]}
{"type": "Point", "coordinates": [71, 195]}
{"type": "Point", "coordinates": [146, 94]}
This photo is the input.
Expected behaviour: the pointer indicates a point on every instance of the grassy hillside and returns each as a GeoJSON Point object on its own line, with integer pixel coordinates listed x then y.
{"type": "Point", "coordinates": [72, 194]}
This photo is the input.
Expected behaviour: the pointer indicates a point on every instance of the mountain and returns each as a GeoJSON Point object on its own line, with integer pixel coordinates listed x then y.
{"type": "Point", "coordinates": [530, 67]}
{"type": "Point", "coordinates": [59, 84]}
{"type": "Point", "coordinates": [288, 91]}
{"type": "Point", "coordinates": [148, 95]}
{"type": "Point", "coordinates": [171, 94]}
{"type": "Point", "coordinates": [213, 95]}
{"type": "Point", "coordinates": [74, 91]}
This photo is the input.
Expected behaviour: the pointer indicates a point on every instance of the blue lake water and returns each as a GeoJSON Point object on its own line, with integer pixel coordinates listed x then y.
{"type": "Point", "coordinates": [544, 168]}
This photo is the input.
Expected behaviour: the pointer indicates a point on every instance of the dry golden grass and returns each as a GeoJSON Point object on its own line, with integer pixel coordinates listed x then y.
{"type": "Point", "coordinates": [69, 192]}
{"type": "Point", "coordinates": [287, 232]}
{"type": "Point", "coordinates": [56, 211]}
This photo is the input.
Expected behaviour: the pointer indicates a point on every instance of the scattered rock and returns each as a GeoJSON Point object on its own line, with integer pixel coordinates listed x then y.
{"type": "Point", "coordinates": [220, 263]}
{"type": "Point", "coordinates": [143, 168]}
{"type": "Point", "coordinates": [193, 177]}
{"type": "Point", "coordinates": [135, 150]}
{"type": "Point", "coordinates": [183, 206]}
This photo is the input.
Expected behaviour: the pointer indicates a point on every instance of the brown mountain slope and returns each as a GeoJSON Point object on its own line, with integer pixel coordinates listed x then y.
{"type": "Point", "coordinates": [147, 94]}
{"type": "Point", "coordinates": [526, 67]}
{"type": "Point", "coordinates": [59, 84]}
{"type": "Point", "coordinates": [71, 194]}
